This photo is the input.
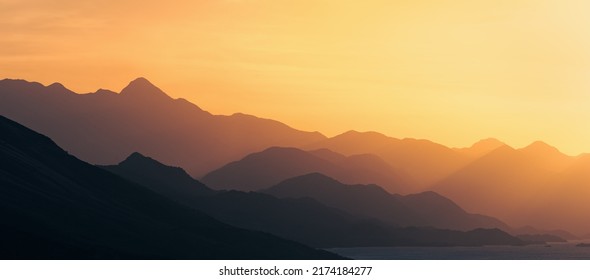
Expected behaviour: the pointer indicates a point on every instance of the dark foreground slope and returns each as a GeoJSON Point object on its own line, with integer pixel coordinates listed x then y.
{"type": "Point", "coordinates": [54, 206]}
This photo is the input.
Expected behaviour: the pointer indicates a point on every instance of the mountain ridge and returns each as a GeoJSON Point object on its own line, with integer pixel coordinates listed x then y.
{"type": "Point", "coordinates": [422, 209]}
{"type": "Point", "coordinates": [308, 221]}
{"type": "Point", "coordinates": [152, 174]}
{"type": "Point", "coordinates": [105, 128]}
{"type": "Point", "coordinates": [142, 88]}
{"type": "Point", "coordinates": [55, 206]}
{"type": "Point", "coordinates": [265, 168]}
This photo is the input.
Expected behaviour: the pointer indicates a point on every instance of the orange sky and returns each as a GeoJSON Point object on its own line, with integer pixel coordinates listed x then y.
{"type": "Point", "coordinates": [451, 72]}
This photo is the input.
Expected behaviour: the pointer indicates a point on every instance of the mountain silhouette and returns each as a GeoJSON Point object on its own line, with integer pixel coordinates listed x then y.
{"type": "Point", "coordinates": [310, 222]}
{"type": "Point", "coordinates": [269, 167]}
{"type": "Point", "coordinates": [547, 157]}
{"type": "Point", "coordinates": [506, 183]}
{"type": "Point", "coordinates": [153, 174]}
{"type": "Point", "coordinates": [536, 185]}
{"type": "Point", "coordinates": [142, 88]}
{"type": "Point", "coordinates": [313, 223]}
{"type": "Point", "coordinates": [481, 147]}
{"type": "Point", "coordinates": [424, 161]}
{"type": "Point", "coordinates": [303, 220]}
{"type": "Point", "coordinates": [54, 206]}
{"type": "Point", "coordinates": [533, 186]}
{"type": "Point", "coordinates": [423, 209]}
{"type": "Point", "coordinates": [104, 127]}
{"type": "Point", "coordinates": [565, 204]}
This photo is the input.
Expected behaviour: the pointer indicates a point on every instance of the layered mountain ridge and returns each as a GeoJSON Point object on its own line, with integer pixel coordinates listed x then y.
{"type": "Point", "coordinates": [54, 206]}
{"type": "Point", "coordinates": [536, 185]}
{"type": "Point", "coordinates": [104, 128]}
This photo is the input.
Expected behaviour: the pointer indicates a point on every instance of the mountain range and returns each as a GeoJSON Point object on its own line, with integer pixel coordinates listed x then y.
{"type": "Point", "coordinates": [534, 186]}
{"type": "Point", "coordinates": [426, 209]}
{"type": "Point", "coordinates": [424, 161]}
{"type": "Point", "coordinates": [266, 168]}
{"type": "Point", "coordinates": [54, 206]}
{"type": "Point", "coordinates": [104, 127]}
{"type": "Point", "coordinates": [316, 222]}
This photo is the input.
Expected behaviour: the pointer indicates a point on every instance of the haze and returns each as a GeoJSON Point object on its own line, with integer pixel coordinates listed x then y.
{"type": "Point", "coordinates": [452, 72]}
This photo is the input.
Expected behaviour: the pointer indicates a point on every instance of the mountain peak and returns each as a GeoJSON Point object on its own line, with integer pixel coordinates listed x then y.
{"type": "Point", "coordinates": [57, 86]}
{"type": "Point", "coordinates": [318, 177]}
{"type": "Point", "coordinates": [136, 155]}
{"type": "Point", "coordinates": [137, 158]}
{"type": "Point", "coordinates": [358, 133]}
{"type": "Point", "coordinates": [164, 179]}
{"type": "Point", "coordinates": [482, 147]}
{"type": "Point", "coordinates": [366, 136]}
{"type": "Point", "coordinates": [141, 87]}
{"type": "Point", "coordinates": [540, 147]}
{"type": "Point", "coordinates": [103, 91]}
{"type": "Point", "coordinates": [491, 143]}
{"type": "Point", "coordinates": [316, 183]}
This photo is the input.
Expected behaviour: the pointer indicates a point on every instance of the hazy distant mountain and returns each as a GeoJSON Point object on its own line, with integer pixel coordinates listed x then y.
{"type": "Point", "coordinates": [367, 169]}
{"type": "Point", "coordinates": [54, 206]}
{"type": "Point", "coordinates": [423, 209]}
{"type": "Point", "coordinates": [566, 204]}
{"type": "Point", "coordinates": [269, 167]}
{"type": "Point", "coordinates": [547, 157]}
{"type": "Point", "coordinates": [536, 185]}
{"type": "Point", "coordinates": [505, 183]}
{"type": "Point", "coordinates": [105, 127]}
{"type": "Point", "coordinates": [481, 148]}
{"type": "Point", "coordinates": [426, 162]}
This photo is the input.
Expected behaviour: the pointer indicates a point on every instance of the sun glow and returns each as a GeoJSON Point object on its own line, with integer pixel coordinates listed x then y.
{"type": "Point", "coordinates": [451, 72]}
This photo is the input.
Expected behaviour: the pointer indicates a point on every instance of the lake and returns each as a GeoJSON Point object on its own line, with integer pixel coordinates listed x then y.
{"type": "Point", "coordinates": [556, 251]}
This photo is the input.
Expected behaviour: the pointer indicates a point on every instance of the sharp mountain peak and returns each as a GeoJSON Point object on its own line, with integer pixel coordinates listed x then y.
{"type": "Point", "coordinates": [137, 157]}
{"type": "Point", "coordinates": [144, 88]}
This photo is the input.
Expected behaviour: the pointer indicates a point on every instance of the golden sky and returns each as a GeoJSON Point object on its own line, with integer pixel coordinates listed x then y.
{"type": "Point", "coordinates": [450, 71]}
